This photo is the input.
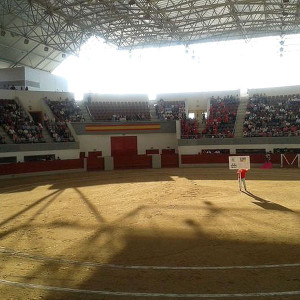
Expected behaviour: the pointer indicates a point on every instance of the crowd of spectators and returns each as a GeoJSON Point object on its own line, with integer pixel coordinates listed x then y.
{"type": "Point", "coordinates": [66, 110]}
{"type": "Point", "coordinates": [119, 111]}
{"type": "Point", "coordinates": [13, 87]}
{"type": "Point", "coordinates": [222, 116]}
{"type": "Point", "coordinates": [190, 129]}
{"type": "Point", "coordinates": [272, 116]}
{"type": "Point", "coordinates": [170, 110]}
{"type": "Point", "coordinates": [18, 125]}
{"type": "Point", "coordinates": [58, 130]}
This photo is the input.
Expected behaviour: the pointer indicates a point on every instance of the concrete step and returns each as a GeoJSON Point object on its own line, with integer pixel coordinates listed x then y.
{"type": "Point", "coordinates": [47, 136]}
{"type": "Point", "coordinates": [240, 118]}
{"type": "Point", "coordinates": [85, 112]}
{"type": "Point", "coordinates": [8, 140]}
{"type": "Point", "coordinates": [153, 112]}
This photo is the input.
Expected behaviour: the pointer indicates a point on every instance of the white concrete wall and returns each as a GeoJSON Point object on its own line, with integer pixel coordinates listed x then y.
{"type": "Point", "coordinates": [47, 81]}
{"type": "Point", "coordinates": [145, 141]}
{"type": "Point", "coordinates": [11, 74]}
{"type": "Point", "coordinates": [232, 148]}
{"type": "Point", "coordinates": [63, 154]}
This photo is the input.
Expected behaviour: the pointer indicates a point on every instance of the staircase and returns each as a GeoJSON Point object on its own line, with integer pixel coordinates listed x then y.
{"type": "Point", "coordinates": [153, 112]}
{"type": "Point", "coordinates": [85, 112]}
{"type": "Point", "coordinates": [47, 136]}
{"type": "Point", "coordinates": [201, 126]}
{"type": "Point", "coordinates": [8, 140]}
{"type": "Point", "coordinates": [240, 117]}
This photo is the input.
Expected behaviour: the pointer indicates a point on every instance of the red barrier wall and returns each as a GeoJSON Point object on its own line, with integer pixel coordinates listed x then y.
{"type": "Point", "coordinates": [169, 161]}
{"type": "Point", "coordinates": [123, 145]}
{"type": "Point", "coordinates": [289, 161]}
{"type": "Point", "coordinates": [133, 162]}
{"type": "Point", "coordinates": [41, 166]}
{"type": "Point", "coordinates": [95, 164]}
{"type": "Point", "coordinates": [152, 151]}
{"type": "Point", "coordinates": [94, 154]}
{"type": "Point", "coordinates": [168, 151]}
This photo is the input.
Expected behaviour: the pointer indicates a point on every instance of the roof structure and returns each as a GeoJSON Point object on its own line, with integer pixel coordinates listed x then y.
{"type": "Point", "coordinates": [39, 33]}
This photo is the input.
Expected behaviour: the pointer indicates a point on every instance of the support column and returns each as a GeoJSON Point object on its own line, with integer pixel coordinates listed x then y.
{"type": "Point", "coordinates": [108, 163]}
{"type": "Point", "coordinates": [156, 161]}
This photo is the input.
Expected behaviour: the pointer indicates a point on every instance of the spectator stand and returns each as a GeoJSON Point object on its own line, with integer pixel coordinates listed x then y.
{"type": "Point", "coordinates": [119, 111]}
{"type": "Point", "coordinates": [273, 116]}
{"type": "Point", "coordinates": [64, 111]}
{"type": "Point", "coordinates": [18, 124]}
{"type": "Point", "coordinates": [221, 118]}
{"type": "Point", "coordinates": [190, 129]}
{"type": "Point", "coordinates": [170, 110]}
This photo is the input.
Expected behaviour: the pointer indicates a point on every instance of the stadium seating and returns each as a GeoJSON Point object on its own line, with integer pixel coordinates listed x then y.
{"type": "Point", "coordinates": [170, 110]}
{"type": "Point", "coordinates": [119, 111]}
{"type": "Point", "coordinates": [222, 116]}
{"type": "Point", "coordinates": [66, 110]}
{"type": "Point", "coordinates": [190, 129]}
{"type": "Point", "coordinates": [18, 125]}
{"type": "Point", "coordinates": [59, 131]}
{"type": "Point", "coordinates": [272, 116]}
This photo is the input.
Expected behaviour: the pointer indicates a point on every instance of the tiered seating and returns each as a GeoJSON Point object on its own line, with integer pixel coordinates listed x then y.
{"type": "Point", "coordinates": [66, 110]}
{"type": "Point", "coordinates": [222, 116]}
{"type": "Point", "coordinates": [190, 129]}
{"type": "Point", "coordinates": [274, 116]}
{"type": "Point", "coordinates": [170, 110]}
{"type": "Point", "coordinates": [119, 111]}
{"type": "Point", "coordinates": [18, 125]}
{"type": "Point", "coordinates": [59, 131]}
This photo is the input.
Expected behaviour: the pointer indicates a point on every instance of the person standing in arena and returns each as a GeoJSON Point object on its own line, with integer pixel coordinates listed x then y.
{"type": "Point", "coordinates": [242, 178]}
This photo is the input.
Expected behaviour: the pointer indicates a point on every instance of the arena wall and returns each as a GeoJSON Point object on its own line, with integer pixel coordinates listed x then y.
{"type": "Point", "coordinates": [267, 144]}
{"type": "Point", "coordinates": [145, 141]}
{"type": "Point", "coordinates": [62, 154]}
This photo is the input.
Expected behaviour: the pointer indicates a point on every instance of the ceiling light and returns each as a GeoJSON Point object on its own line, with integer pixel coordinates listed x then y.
{"type": "Point", "coordinates": [63, 55]}
{"type": "Point", "coordinates": [3, 33]}
{"type": "Point", "coordinates": [46, 48]}
{"type": "Point", "coordinates": [26, 41]}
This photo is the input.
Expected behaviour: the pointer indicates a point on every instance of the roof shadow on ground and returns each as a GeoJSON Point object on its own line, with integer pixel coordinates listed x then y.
{"type": "Point", "coordinates": [63, 181]}
{"type": "Point", "coordinates": [187, 248]}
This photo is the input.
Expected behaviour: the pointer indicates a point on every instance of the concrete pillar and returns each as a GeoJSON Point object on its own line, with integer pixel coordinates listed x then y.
{"type": "Point", "coordinates": [156, 161]}
{"type": "Point", "coordinates": [108, 163]}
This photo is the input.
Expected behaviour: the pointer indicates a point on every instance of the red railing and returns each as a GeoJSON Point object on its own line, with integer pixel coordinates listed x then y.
{"type": "Point", "coordinates": [41, 166]}
{"type": "Point", "coordinates": [95, 164]}
{"type": "Point", "coordinates": [169, 161]}
{"type": "Point", "coordinates": [133, 162]}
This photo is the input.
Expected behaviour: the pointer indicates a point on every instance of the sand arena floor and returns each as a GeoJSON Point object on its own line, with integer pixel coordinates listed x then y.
{"type": "Point", "coordinates": [151, 234]}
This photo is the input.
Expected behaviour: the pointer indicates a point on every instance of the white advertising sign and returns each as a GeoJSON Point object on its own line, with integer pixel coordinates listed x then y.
{"type": "Point", "coordinates": [239, 162]}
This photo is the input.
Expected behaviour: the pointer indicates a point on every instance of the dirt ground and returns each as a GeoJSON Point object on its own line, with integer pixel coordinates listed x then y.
{"type": "Point", "coordinates": [168, 233]}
